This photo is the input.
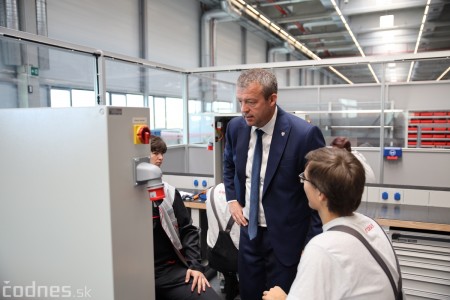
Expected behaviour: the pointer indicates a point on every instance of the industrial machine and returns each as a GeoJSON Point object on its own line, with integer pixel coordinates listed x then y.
{"type": "Point", "coordinates": [75, 217]}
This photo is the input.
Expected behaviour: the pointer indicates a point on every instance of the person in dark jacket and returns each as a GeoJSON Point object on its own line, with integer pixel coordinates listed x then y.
{"type": "Point", "coordinates": [178, 268]}
{"type": "Point", "coordinates": [270, 206]}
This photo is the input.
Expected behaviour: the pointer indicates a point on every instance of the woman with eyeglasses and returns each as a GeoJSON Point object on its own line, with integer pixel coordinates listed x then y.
{"type": "Point", "coordinates": [335, 264]}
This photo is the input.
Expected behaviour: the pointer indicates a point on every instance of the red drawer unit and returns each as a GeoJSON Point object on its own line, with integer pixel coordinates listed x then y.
{"type": "Point", "coordinates": [435, 134]}
{"type": "Point", "coordinates": [439, 136]}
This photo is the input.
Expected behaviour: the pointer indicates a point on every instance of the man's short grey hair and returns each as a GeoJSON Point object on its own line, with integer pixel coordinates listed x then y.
{"type": "Point", "coordinates": [264, 77]}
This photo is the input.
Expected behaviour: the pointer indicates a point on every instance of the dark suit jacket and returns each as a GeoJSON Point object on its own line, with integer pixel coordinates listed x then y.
{"type": "Point", "coordinates": [291, 223]}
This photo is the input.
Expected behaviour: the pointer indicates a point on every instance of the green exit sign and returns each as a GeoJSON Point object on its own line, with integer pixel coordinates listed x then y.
{"type": "Point", "coordinates": [34, 71]}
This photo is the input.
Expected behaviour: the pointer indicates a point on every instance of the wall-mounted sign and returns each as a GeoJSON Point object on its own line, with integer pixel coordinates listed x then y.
{"type": "Point", "coordinates": [392, 153]}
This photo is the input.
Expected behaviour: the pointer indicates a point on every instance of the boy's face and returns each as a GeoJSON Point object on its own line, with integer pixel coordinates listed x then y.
{"type": "Point", "coordinates": [311, 191]}
{"type": "Point", "coordinates": [157, 158]}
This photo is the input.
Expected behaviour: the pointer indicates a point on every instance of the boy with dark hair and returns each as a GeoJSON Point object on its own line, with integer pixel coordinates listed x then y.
{"type": "Point", "coordinates": [178, 268]}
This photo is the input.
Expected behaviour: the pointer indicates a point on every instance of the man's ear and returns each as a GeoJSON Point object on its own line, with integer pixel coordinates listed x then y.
{"type": "Point", "coordinates": [273, 99]}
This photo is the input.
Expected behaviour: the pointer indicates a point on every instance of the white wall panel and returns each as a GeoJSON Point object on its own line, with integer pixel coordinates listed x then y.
{"type": "Point", "coordinates": [174, 32]}
{"type": "Point", "coordinates": [427, 96]}
{"type": "Point", "coordinates": [103, 24]}
{"type": "Point", "coordinates": [228, 44]}
{"type": "Point", "coordinates": [256, 49]}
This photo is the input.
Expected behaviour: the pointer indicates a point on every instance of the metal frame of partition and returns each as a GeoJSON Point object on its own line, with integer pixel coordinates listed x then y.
{"type": "Point", "coordinates": [101, 57]}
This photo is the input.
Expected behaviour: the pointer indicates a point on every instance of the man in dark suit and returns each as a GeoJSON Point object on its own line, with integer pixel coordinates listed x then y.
{"type": "Point", "coordinates": [269, 254]}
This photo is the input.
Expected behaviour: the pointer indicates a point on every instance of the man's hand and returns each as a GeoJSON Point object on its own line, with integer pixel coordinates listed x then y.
{"type": "Point", "coordinates": [236, 211]}
{"type": "Point", "coordinates": [275, 293]}
{"type": "Point", "coordinates": [198, 279]}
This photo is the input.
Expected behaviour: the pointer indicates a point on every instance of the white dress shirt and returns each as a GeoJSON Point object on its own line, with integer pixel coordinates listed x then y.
{"type": "Point", "coordinates": [266, 141]}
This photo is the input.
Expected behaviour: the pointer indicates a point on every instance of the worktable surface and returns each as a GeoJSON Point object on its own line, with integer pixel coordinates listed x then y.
{"type": "Point", "coordinates": [393, 215]}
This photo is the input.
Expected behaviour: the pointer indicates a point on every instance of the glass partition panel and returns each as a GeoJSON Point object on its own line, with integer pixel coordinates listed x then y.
{"type": "Point", "coordinates": [350, 110]}
{"type": "Point", "coordinates": [168, 87]}
{"type": "Point", "coordinates": [208, 96]}
{"type": "Point", "coordinates": [160, 90]}
{"type": "Point", "coordinates": [30, 72]}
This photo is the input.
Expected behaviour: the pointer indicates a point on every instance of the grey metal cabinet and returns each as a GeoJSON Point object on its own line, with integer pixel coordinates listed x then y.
{"type": "Point", "coordinates": [424, 262]}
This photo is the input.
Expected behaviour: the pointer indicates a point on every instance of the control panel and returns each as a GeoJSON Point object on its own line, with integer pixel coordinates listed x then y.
{"type": "Point", "coordinates": [420, 197]}
{"type": "Point", "coordinates": [385, 195]}
{"type": "Point", "coordinates": [189, 182]}
{"type": "Point", "coordinates": [141, 134]}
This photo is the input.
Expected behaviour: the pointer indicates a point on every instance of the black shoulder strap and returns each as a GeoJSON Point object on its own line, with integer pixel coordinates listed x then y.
{"type": "Point", "coordinates": [375, 255]}
{"type": "Point", "coordinates": [213, 205]}
{"type": "Point", "coordinates": [229, 224]}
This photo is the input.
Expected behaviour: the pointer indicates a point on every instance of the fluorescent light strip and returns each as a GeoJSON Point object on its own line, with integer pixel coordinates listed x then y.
{"type": "Point", "coordinates": [443, 74]}
{"type": "Point", "coordinates": [358, 46]}
{"type": "Point", "coordinates": [424, 18]}
{"type": "Point", "coordinates": [263, 20]}
{"type": "Point", "coordinates": [340, 74]}
{"type": "Point", "coordinates": [373, 73]}
{"type": "Point", "coordinates": [410, 72]}
{"type": "Point", "coordinates": [347, 27]}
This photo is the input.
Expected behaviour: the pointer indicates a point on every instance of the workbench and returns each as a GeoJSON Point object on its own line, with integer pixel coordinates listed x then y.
{"type": "Point", "coordinates": [419, 234]}
{"type": "Point", "coordinates": [401, 216]}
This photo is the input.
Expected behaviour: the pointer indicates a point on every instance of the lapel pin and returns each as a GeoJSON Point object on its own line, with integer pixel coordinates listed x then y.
{"type": "Point", "coordinates": [282, 133]}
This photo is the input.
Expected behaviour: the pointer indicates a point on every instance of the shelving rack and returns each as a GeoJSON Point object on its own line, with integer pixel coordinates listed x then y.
{"type": "Point", "coordinates": [363, 125]}
{"type": "Point", "coordinates": [428, 129]}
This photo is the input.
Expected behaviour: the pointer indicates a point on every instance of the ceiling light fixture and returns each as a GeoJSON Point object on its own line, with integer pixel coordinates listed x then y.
{"type": "Point", "coordinates": [427, 7]}
{"type": "Point", "coordinates": [387, 21]}
{"type": "Point", "coordinates": [266, 22]}
{"type": "Point", "coordinates": [443, 74]}
{"type": "Point", "coordinates": [338, 11]}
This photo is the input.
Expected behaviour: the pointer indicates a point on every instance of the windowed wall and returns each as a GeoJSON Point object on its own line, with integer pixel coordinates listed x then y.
{"type": "Point", "coordinates": [166, 113]}
{"type": "Point", "coordinates": [36, 73]}
{"type": "Point", "coordinates": [182, 102]}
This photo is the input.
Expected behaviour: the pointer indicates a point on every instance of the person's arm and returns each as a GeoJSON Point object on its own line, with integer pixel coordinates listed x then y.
{"type": "Point", "coordinates": [230, 181]}
{"type": "Point", "coordinates": [275, 293]}
{"type": "Point", "coordinates": [189, 234]}
{"type": "Point", "coordinates": [190, 237]}
{"type": "Point", "coordinates": [229, 168]}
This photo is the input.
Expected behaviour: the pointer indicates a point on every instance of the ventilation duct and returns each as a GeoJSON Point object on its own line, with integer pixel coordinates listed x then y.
{"type": "Point", "coordinates": [285, 49]}
{"type": "Point", "coordinates": [208, 47]}
{"type": "Point", "coordinates": [209, 20]}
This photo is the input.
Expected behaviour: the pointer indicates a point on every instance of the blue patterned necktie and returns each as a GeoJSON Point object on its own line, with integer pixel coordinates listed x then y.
{"type": "Point", "coordinates": [254, 188]}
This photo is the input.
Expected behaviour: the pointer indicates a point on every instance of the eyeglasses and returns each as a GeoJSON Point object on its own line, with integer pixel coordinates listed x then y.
{"type": "Point", "coordinates": [303, 178]}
